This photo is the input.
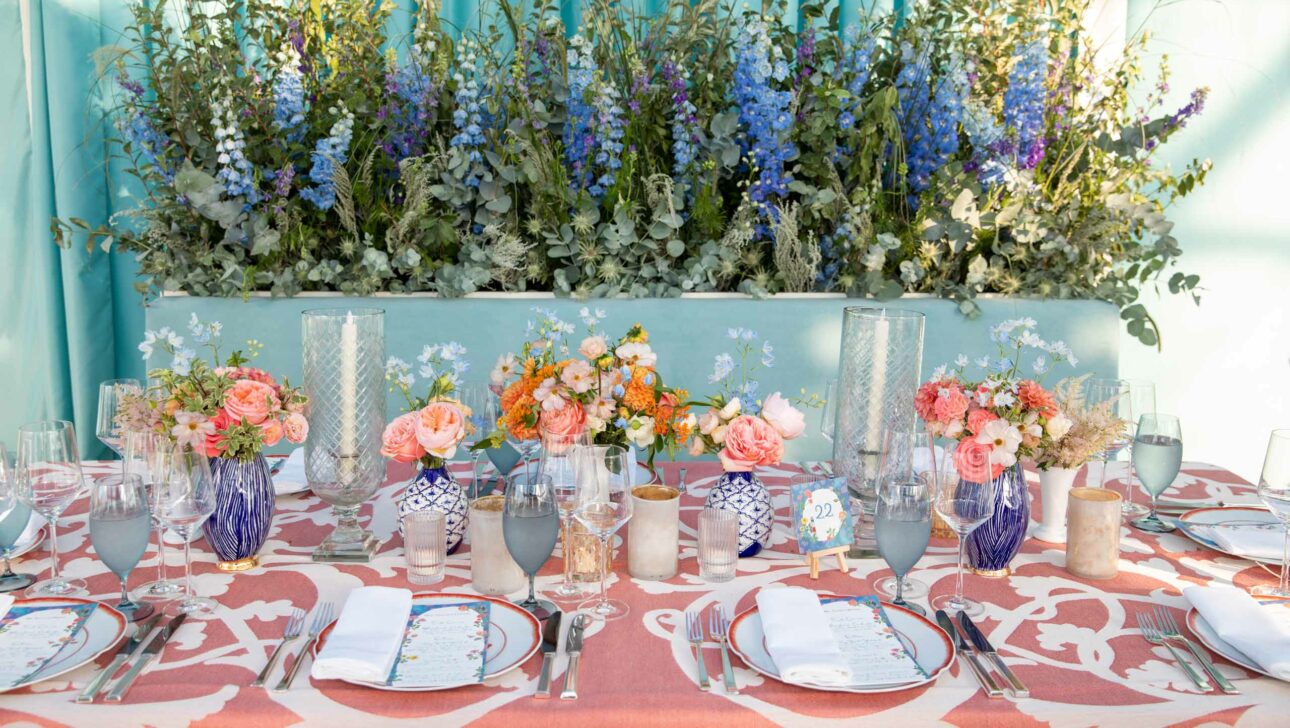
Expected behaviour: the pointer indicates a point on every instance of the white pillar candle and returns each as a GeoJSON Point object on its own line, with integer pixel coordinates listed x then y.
{"type": "Point", "coordinates": [348, 445]}
{"type": "Point", "coordinates": [492, 570]}
{"type": "Point", "coordinates": [1093, 533]}
{"type": "Point", "coordinates": [881, 336]}
{"type": "Point", "coordinates": [653, 534]}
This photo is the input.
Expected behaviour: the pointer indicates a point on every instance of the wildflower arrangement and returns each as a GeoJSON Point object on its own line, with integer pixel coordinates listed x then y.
{"type": "Point", "coordinates": [1084, 430]}
{"type": "Point", "coordinates": [610, 389]}
{"type": "Point", "coordinates": [1002, 417]}
{"type": "Point", "coordinates": [956, 148]}
{"type": "Point", "coordinates": [746, 436]}
{"type": "Point", "coordinates": [228, 410]}
{"type": "Point", "coordinates": [434, 426]}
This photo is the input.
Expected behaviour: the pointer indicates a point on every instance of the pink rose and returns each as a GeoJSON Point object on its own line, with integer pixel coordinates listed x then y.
{"type": "Point", "coordinates": [250, 400]}
{"type": "Point", "coordinates": [972, 461]}
{"type": "Point", "coordinates": [399, 441]}
{"type": "Point", "coordinates": [296, 428]}
{"type": "Point", "coordinates": [709, 422]}
{"type": "Point", "coordinates": [561, 428]}
{"type": "Point", "coordinates": [441, 428]}
{"type": "Point", "coordinates": [271, 431]}
{"type": "Point", "coordinates": [977, 419]}
{"type": "Point", "coordinates": [750, 441]}
{"type": "Point", "coordinates": [784, 417]}
{"type": "Point", "coordinates": [951, 405]}
{"type": "Point", "coordinates": [697, 447]}
{"type": "Point", "coordinates": [593, 347]}
{"type": "Point", "coordinates": [215, 438]}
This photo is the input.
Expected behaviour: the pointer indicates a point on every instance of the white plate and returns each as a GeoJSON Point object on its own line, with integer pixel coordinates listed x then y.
{"type": "Point", "coordinates": [102, 631]}
{"type": "Point", "coordinates": [514, 636]}
{"type": "Point", "coordinates": [1208, 637]}
{"type": "Point", "coordinates": [928, 644]}
{"type": "Point", "coordinates": [1224, 515]}
{"type": "Point", "coordinates": [31, 536]}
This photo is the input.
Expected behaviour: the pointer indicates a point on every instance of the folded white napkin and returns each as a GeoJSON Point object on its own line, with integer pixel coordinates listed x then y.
{"type": "Point", "coordinates": [1261, 632]}
{"type": "Point", "coordinates": [367, 636]}
{"type": "Point", "coordinates": [798, 637]}
{"type": "Point", "coordinates": [1258, 543]}
{"type": "Point", "coordinates": [291, 478]}
{"type": "Point", "coordinates": [6, 601]}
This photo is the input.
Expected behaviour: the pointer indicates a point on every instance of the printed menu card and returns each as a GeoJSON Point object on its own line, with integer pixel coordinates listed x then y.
{"type": "Point", "coordinates": [30, 636]}
{"type": "Point", "coordinates": [444, 644]}
{"type": "Point", "coordinates": [868, 642]}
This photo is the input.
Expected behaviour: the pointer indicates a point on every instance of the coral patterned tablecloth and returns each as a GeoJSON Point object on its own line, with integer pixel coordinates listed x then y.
{"type": "Point", "coordinates": [1073, 641]}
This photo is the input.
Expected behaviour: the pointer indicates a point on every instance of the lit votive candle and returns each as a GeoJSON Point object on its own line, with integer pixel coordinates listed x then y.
{"type": "Point", "coordinates": [1093, 533]}
{"type": "Point", "coordinates": [492, 570]}
{"type": "Point", "coordinates": [653, 534]}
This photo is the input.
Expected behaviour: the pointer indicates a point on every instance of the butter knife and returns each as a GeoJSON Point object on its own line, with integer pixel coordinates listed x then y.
{"type": "Point", "coordinates": [573, 647]}
{"type": "Point", "coordinates": [141, 630]}
{"type": "Point", "coordinates": [964, 650]}
{"type": "Point", "coordinates": [550, 643]}
{"type": "Point", "coordinates": [150, 652]}
{"type": "Point", "coordinates": [983, 646]}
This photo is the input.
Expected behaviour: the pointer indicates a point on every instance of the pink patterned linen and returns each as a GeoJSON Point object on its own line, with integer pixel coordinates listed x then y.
{"type": "Point", "coordinates": [1073, 641]}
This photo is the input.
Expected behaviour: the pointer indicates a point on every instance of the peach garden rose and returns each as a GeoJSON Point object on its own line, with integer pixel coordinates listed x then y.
{"type": "Point", "coordinates": [750, 442]}
{"type": "Point", "coordinates": [399, 441]}
{"type": "Point", "coordinates": [441, 427]}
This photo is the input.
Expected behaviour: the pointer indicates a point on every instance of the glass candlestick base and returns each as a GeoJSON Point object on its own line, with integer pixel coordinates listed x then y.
{"type": "Point", "coordinates": [349, 542]}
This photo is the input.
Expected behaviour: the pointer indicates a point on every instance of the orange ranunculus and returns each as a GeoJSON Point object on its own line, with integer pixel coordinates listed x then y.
{"type": "Point", "coordinates": [1035, 397]}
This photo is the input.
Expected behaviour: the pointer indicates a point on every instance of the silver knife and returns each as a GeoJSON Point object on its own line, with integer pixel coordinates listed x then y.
{"type": "Point", "coordinates": [983, 646]}
{"type": "Point", "coordinates": [573, 647]}
{"type": "Point", "coordinates": [550, 643]}
{"type": "Point", "coordinates": [141, 630]}
{"type": "Point", "coordinates": [153, 649]}
{"type": "Point", "coordinates": [963, 649]}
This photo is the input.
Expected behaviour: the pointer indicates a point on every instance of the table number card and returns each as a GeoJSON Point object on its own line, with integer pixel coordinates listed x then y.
{"type": "Point", "coordinates": [822, 512]}
{"type": "Point", "coordinates": [871, 646]}
{"type": "Point", "coordinates": [31, 636]}
{"type": "Point", "coordinates": [444, 644]}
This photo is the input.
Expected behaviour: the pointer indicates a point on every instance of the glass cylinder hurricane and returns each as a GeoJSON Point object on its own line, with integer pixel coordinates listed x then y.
{"type": "Point", "coordinates": [344, 377]}
{"type": "Point", "coordinates": [879, 366]}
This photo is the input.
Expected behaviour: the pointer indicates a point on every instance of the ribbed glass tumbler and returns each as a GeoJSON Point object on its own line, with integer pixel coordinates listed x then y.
{"type": "Point", "coordinates": [344, 376]}
{"type": "Point", "coordinates": [878, 374]}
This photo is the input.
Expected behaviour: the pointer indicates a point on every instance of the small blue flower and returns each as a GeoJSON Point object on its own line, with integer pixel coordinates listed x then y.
{"type": "Point", "coordinates": [330, 151]}
{"type": "Point", "coordinates": [619, 391]}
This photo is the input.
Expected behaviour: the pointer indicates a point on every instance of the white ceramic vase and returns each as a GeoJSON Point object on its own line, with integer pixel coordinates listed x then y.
{"type": "Point", "coordinates": [1054, 488]}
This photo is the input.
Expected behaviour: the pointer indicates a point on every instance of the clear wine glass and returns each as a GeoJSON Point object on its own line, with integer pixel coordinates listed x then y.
{"type": "Point", "coordinates": [530, 527]}
{"type": "Point", "coordinates": [829, 411]}
{"type": "Point", "coordinates": [1274, 491]}
{"type": "Point", "coordinates": [903, 444]}
{"type": "Point", "coordinates": [477, 398]}
{"type": "Point", "coordinates": [964, 506]}
{"type": "Point", "coordinates": [1142, 399]}
{"type": "Point", "coordinates": [12, 525]}
{"type": "Point", "coordinates": [1115, 396]}
{"type": "Point", "coordinates": [49, 479]}
{"type": "Point", "coordinates": [120, 522]}
{"type": "Point", "coordinates": [183, 498]}
{"type": "Point", "coordinates": [903, 527]}
{"type": "Point", "coordinates": [1157, 457]}
{"type": "Point", "coordinates": [110, 393]}
{"type": "Point", "coordinates": [557, 463]}
{"type": "Point", "coordinates": [144, 453]}
{"type": "Point", "coordinates": [604, 503]}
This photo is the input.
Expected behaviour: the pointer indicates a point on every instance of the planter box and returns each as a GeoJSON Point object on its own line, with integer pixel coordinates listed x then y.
{"type": "Point", "coordinates": [687, 332]}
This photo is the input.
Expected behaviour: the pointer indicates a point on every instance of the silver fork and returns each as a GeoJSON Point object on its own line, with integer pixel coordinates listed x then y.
{"type": "Point", "coordinates": [1169, 631]}
{"type": "Point", "coordinates": [694, 633]}
{"type": "Point", "coordinates": [1151, 634]}
{"type": "Point", "coordinates": [718, 625]}
{"type": "Point", "coordinates": [322, 617]}
{"type": "Point", "coordinates": [292, 632]}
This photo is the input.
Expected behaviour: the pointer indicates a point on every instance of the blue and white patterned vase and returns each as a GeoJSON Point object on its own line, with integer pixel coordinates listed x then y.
{"type": "Point", "coordinates": [243, 511]}
{"type": "Point", "coordinates": [434, 489]}
{"type": "Point", "coordinates": [992, 546]}
{"type": "Point", "coordinates": [745, 494]}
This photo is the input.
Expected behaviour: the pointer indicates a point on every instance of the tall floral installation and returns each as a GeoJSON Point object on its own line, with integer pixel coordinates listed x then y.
{"type": "Point", "coordinates": [964, 148]}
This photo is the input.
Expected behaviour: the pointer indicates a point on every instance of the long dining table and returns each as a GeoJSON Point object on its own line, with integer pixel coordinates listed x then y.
{"type": "Point", "coordinates": [1073, 641]}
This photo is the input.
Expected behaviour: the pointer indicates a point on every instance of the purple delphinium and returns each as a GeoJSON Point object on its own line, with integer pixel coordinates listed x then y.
{"type": "Point", "coordinates": [763, 112]}
{"type": "Point", "coordinates": [1194, 106]}
{"type": "Point", "coordinates": [411, 100]}
{"type": "Point", "coordinates": [685, 123]}
{"type": "Point", "coordinates": [1023, 102]}
{"type": "Point", "coordinates": [138, 131]}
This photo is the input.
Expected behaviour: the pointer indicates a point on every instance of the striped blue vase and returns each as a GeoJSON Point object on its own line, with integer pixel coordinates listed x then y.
{"type": "Point", "coordinates": [243, 511]}
{"type": "Point", "coordinates": [992, 546]}
{"type": "Point", "coordinates": [434, 489]}
{"type": "Point", "coordinates": [746, 495]}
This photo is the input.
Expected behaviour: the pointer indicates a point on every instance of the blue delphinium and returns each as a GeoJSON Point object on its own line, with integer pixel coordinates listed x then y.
{"type": "Point", "coordinates": [289, 95]}
{"type": "Point", "coordinates": [329, 151]}
{"type": "Point", "coordinates": [609, 129]}
{"type": "Point", "coordinates": [929, 120]}
{"type": "Point", "coordinates": [685, 123]}
{"type": "Point", "coordinates": [1023, 102]}
{"type": "Point", "coordinates": [468, 117]}
{"type": "Point", "coordinates": [857, 65]}
{"type": "Point", "coordinates": [409, 110]}
{"type": "Point", "coordinates": [763, 111]}
{"type": "Point", "coordinates": [836, 249]}
{"type": "Point", "coordinates": [578, 139]}
{"type": "Point", "coordinates": [235, 170]}
{"type": "Point", "coordinates": [991, 151]}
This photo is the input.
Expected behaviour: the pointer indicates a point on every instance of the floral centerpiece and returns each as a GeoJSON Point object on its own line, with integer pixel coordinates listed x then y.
{"type": "Point", "coordinates": [997, 421]}
{"type": "Point", "coordinates": [230, 412]}
{"type": "Point", "coordinates": [745, 437]}
{"type": "Point", "coordinates": [429, 433]}
{"type": "Point", "coordinates": [609, 390]}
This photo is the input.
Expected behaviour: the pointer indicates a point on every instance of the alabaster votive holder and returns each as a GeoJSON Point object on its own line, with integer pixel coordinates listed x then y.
{"type": "Point", "coordinates": [492, 570]}
{"type": "Point", "coordinates": [1093, 533]}
{"type": "Point", "coordinates": [654, 533]}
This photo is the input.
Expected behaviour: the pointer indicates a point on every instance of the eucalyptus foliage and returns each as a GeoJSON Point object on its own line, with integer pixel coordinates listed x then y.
{"type": "Point", "coordinates": [971, 147]}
